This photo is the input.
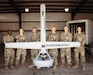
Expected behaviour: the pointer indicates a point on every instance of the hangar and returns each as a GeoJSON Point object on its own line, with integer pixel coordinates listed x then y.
{"type": "Point", "coordinates": [13, 16]}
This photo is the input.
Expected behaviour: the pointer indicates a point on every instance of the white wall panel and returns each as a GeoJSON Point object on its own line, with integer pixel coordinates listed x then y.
{"type": "Point", "coordinates": [30, 17]}
{"type": "Point", "coordinates": [8, 17]}
{"type": "Point", "coordinates": [84, 16]}
{"type": "Point", "coordinates": [5, 26]}
{"type": "Point", "coordinates": [49, 17]}
{"type": "Point", "coordinates": [58, 16]}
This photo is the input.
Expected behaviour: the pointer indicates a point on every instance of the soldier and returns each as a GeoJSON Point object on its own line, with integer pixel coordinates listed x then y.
{"type": "Point", "coordinates": [80, 37]}
{"type": "Point", "coordinates": [20, 52]}
{"type": "Point", "coordinates": [66, 36]}
{"type": "Point", "coordinates": [35, 37]}
{"type": "Point", "coordinates": [9, 53]}
{"type": "Point", "coordinates": [53, 36]}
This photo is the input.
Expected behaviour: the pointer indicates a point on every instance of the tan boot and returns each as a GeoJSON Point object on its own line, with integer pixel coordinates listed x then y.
{"type": "Point", "coordinates": [6, 68]}
{"type": "Point", "coordinates": [16, 67]}
{"type": "Point", "coordinates": [11, 66]}
{"type": "Point", "coordinates": [76, 66]}
{"type": "Point", "coordinates": [23, 65]}
{"type": "Point", "coordinates": [54, 67]}
{"type": "Point", "coordinates": [68, 66]}
{"type": "Point", "coordinates": [62, 65]}
{"type": "Point", "coordinates": [83, 68]}
{"type": "Point", "coordinates": [31, 66]}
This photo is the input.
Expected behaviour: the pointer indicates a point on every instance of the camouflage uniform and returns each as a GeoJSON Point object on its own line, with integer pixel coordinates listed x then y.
{"type": "Point", "coordinates": [20, 51]}
{"type": "Point", "coordinates": [9, 53]}
{"type": "Point", "coordinates": [66, 37]}
{"type": "Point", "coordinates": [80, 38]}
{"type": "Point", "coordinates": [34, 38]}
{"type": "Point", "coordinates": [53, 52]}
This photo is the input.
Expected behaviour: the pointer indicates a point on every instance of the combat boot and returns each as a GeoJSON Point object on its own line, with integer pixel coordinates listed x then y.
{"type": "Point", "coordinates": [62, 65]}
{"type": "Point", "coordinates": [31, 66]}
{"type": "Point", "coordinates": [54, 67]}
{"type": "Point", "coordinates": [6, 68]}
{"type": "Point", "coordinates": [68, 66]}
{"type": "Point", "coordinates": [76, 66]}
{"type": "Point", "coordinates": [11, 67]}
{"type": "Point", "coordinates": [83, 67]}
{"type": "Point", "coordinates": [23, 65]}
{"type": "Point", "coordinates": [16, 67]}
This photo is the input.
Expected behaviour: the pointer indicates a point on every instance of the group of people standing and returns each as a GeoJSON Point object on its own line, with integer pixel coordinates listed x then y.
{"type": "Point", "coordinates": [65, 36]}
{"type": "Point", "coordinates": [21, 53]}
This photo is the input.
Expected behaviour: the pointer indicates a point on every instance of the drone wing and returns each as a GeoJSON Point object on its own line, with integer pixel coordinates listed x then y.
{"type": "Point", "coordinates": [50, 45]}
{"type": "Point", "coordinates": [24, 45]}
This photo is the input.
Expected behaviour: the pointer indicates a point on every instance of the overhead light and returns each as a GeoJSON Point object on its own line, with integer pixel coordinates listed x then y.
{"type": "Point", "coordinates": [26, 9]}
{"type": "Point", "coordinates": [66, 9]}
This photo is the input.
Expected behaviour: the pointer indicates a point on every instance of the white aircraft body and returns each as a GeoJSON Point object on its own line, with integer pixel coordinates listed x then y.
{"type": "Point", "coordinates": [43, 59]}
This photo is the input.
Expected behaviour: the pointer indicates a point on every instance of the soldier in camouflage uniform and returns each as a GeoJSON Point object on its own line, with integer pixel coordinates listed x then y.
{"type": "Point", "coordinates": [20, 52]}
{"type": "Point", "coordinates": [66, 36]}
{"type": "Point", "coordinates": [53, 36]}
{"type": "Point", "coordinates": [9, 53]}
{"type": "Point", "coordinates": [35, 37]}
{"type": "Point", "coordinates": [80, 37]}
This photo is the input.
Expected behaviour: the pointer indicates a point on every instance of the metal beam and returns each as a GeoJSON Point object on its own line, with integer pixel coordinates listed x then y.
{"type": "Point", "coordinates": [46, 1]}
{"type": "Point", "coordinates": [20, 21]}
{"type": "Point", "coordinates": [14, 6]}
{"type": "Point", "coordinates": [16, 10]}
{"type": "Point", "coordinates": [76, 10]}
